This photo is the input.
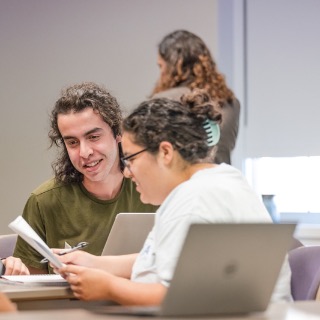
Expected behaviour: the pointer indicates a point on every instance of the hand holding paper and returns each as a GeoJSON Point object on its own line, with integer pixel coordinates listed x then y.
{"type": "Point", "coordinates": [23, 229]}
{"type": "Point", "coordinates": [79, 246]}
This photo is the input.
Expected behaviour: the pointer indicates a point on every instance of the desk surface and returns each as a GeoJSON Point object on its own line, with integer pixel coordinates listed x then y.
{"type": "Point", "coordinates": [309, 310]}
{"type": "Point", "coordinates": [56, 298]}
{"type": "Point", "coordinates": [21, 292]}
{"type": "Point", "coordinates": [28, 297]}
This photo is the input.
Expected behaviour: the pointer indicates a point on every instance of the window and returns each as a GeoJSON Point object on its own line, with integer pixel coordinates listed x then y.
{"type": "Point", "coordinates": [295, 182]}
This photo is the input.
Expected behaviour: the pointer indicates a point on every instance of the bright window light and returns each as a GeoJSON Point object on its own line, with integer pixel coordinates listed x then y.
{"type": "Point", "coordinates": [295, 181]}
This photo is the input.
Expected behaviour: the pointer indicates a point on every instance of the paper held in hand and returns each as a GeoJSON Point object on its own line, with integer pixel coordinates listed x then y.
{"type": "Point", "coordinates": [24, 230]}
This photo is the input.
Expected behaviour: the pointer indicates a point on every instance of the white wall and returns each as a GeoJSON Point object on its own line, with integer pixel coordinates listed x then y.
{"type": "Point", "coordinates": [283, 72]}
{"type": "Point", "coordinates": [275, 71]}
{"type": "Point", "coordinates": [46, 45]}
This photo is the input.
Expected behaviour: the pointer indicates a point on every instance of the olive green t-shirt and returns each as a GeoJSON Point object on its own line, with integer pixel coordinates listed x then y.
{"type": "Point", "coordinates": [62, 213]}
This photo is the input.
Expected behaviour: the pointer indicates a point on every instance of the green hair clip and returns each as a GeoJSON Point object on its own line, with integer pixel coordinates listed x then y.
{"type": "Point", "coordinates": [213, 132]}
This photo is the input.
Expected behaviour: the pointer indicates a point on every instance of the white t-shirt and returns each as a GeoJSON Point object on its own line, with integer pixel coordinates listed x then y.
{"type": "Point", "coordinates": [215, 195]}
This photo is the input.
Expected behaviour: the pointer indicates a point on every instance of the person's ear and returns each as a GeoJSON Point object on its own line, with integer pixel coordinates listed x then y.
{"type": "Point", "coordinates": [166, 152]}
{"type": "Point", "coordinates": [118, 139]}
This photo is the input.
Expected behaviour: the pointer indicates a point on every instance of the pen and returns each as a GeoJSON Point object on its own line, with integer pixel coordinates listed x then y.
{"type": "Point", "coordinates": [79, 246]}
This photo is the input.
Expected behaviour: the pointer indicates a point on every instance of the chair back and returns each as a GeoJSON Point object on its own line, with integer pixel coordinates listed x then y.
{"type": "Point", "coordinates": [295, 243]}
{"type": "Point", "coordinates": [7, 244]}
{"type": "Point", "coordinates": [305, 267]}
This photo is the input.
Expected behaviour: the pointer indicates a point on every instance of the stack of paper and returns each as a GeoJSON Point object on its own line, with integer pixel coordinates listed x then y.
{"type": "Point", "coordinates": [38, 279]}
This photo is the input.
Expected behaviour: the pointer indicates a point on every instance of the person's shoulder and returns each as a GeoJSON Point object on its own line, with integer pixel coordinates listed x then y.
{"type": "Point", "coordinates": [233, 104]}
{"type": "Point", "coordinates": [236, 103]}
{"type": "Point", "coordinates": [172, 93]}
{"type": "Point", "coordinates": [47, 186]}
{"type": "Point", "coordinates": [213, 176]}
{"type": "Point", "coordinates": [222, 169]}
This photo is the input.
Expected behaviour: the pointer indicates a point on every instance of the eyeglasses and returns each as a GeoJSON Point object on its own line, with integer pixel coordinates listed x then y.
{"type": "Point", "coordinates": [125, 161]}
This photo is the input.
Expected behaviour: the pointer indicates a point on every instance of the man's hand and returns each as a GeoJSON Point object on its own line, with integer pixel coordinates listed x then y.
{"type": "Point", "coordinates": [14, 266]}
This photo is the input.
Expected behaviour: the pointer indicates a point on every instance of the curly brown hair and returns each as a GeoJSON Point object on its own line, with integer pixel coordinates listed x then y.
{"type": "Point", "coordinates": [180, 123]}
{"type": "Point", "coordinates": [76, 98]}
{"type": "Point", "coordinates": [190, 64]}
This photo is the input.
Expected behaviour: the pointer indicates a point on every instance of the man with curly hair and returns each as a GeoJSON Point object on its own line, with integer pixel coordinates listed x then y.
{"type": "Point", "coordinates": [80, 203]}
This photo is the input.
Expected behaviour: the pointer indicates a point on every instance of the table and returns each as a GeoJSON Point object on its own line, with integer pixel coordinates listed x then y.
{"type": "Point", "coordinates": [306, 310]}
{"type": "Point", "coordinates": [28, 297]}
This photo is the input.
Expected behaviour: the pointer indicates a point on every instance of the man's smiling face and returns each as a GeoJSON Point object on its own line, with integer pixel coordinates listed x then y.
{"type": "Point", "coordinates": [91, 145]}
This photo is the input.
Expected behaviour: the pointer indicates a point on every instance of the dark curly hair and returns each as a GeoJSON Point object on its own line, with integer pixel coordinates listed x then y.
{"type": "Point", "coordinates": [180, 123]}
{"type": "Point", "coordinates": [190, 64]}
{"type": "Point", "coordinates": [76, 98]}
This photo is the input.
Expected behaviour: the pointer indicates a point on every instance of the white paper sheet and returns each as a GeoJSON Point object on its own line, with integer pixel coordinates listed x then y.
{"type": "Point", "coordinates": [38, 279]}
{"type": "Point", "coordinates": [24, 230]}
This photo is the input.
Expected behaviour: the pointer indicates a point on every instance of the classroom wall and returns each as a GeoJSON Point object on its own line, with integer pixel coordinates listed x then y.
{"type": "Point", "coordinates": [46, 45]}
{"type": "Point", "coordinates": [269, 50]}
{"type": "Point", "coordinates": [283, 78]}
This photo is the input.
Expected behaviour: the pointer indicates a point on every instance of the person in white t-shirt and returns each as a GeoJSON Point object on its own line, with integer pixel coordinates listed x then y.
{"type": "Point", "coordinates": [168, 149]}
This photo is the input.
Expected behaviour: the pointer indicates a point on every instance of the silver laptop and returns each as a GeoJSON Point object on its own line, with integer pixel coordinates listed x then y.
{"type": "Point", "coordinates": [223, 269]}
{"type": "Point", "coordinates": [128, 233]}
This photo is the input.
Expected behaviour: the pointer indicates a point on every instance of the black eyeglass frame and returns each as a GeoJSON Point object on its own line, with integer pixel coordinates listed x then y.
{"type": "Point", "coordinates": [125, 159]}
